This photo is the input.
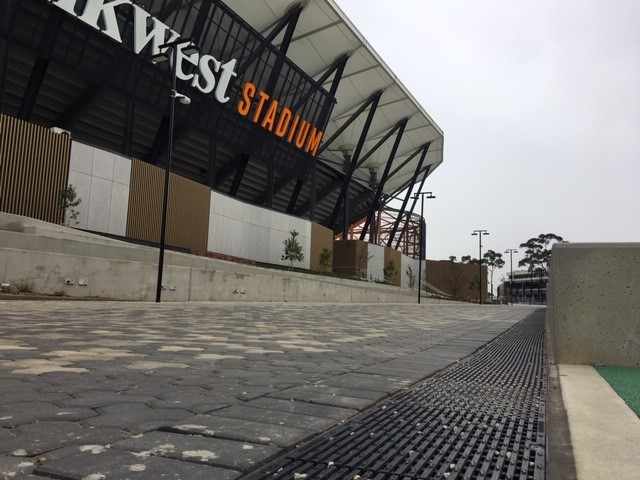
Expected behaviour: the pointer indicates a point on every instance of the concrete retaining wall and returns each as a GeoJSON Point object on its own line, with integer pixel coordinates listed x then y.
{"type": "Point", "coordinates": [57, 259]}
{"type": "Point", "coordinates": [593, 313]}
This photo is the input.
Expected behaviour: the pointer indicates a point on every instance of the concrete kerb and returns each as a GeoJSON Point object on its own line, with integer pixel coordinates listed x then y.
{"type": "Point", "coordinates": [57, 258]}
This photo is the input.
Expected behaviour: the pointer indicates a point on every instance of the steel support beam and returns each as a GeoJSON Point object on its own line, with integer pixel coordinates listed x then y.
{"type": "Point", "coordinates": [242, 163]}
{"type": "Point", "coordinates": [375, 98]}
{"type": "Point", "coordinates": [213, 162]}
{"type": "Point", "coordinates": [160, 143]}
{"type": "Point", "coordinates": [30, 96]}
{"type": "Point", "coordinates": [380, 142]}
{"type": "Point", "coordinates": [407, 196]}
{"type": "Point", "coordinates": [374, 207]}
{"type": "Point", "coordinates": [278, 185]}
{"type": "Point", "coordinates": [413, 206]}
{"type": "Point", "coordinates": [4, 60]}
{"type": "Point", "coordinates": [291, 16]}
{"type": "Point", "coordinates": [344, 191]}
{"type": "Point", "coordinates": [79, 107]}
{"type": "Point", "coordinates": [127, 127]}
{"type": "Point", "coordinates": [294, 196]}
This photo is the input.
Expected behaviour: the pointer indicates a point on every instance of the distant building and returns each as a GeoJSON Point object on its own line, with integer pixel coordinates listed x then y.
{"type": "Point", "coordinates": [524, 288]}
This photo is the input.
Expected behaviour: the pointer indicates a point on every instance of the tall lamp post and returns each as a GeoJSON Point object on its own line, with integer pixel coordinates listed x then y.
{"type": "Point", "coordinates": [511, 251]}
{"type": "Point", "coordinates": [182, 47]}
{"type": "Point", "coordinates": [480, 233]}
{"type": "Point", "coordinates": [422, 242]}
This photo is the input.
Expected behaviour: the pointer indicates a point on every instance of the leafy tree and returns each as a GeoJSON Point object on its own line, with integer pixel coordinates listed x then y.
{"type": "Point", "coordinates": [292, 249]}
{"type": "Point", "coordinates": [389, 271]}
{"type": "Point", "coordinates": [68, 200]}
{"type": "Point", "coordinates": [412, 277]}
{"type": "Point", "coordinates": [493, 260]}
{"type": "Point", "coordinates": [324, 259]}
{"type": "Point", "coordinates": [474, 285]}
{"type": "Point", "coordinates": [538, 257]}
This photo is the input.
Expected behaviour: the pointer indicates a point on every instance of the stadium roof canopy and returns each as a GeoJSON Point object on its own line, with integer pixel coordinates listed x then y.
{"type": "Point", "coordinates": [62, 72]}
{"type": "Point", "coordinates": [323, 35]}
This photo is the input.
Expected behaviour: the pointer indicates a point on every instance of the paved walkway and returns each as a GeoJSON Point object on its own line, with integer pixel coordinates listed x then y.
{"type": "Point", "coordinates": [98, 390]}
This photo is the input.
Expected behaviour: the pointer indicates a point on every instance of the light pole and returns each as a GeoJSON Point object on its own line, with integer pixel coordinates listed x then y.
{"type": "Point", "coordinates": [422, 242]}
{"type": "Point", "coordinates": [480, 233]}
{"type": "Point", "coordinates": [185, 47]}
{"type": "Point", "coordinates": [511, 251]}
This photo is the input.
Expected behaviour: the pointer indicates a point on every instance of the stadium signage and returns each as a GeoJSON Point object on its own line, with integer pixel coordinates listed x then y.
{"type": "Point", "coordinates": [212, 76]}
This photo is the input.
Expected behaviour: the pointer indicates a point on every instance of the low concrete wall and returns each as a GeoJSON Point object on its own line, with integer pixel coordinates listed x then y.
{"type": "Point", "coordinates": [593, 313]}
{"type": "Point", "coordinates": [59, 259]}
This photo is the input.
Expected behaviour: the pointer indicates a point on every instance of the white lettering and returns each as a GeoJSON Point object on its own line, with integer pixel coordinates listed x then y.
{"type": "Point", "coordinates": [206, 66]}
{"type": "Point", "coordinates": [66, 5]}
{"type": "Point", "coordinates": [157, 35]}
{"type": "Point", "coordinates": [192, 59]}
{"type": "Point", "coordinates": [95, 8]}
{"type": "Point", "coordinates": [148, 29]}
{"type": "Point", "coordinates": [227, 74]}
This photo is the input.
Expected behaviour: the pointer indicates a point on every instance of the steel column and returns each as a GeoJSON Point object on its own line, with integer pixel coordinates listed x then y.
{"type": "Point", "coordinates": [413, 206]}
{"type": "Point", "coordinates": [401, 125]}
{"type": "Point", "coordinates": [243, 161]}
{"type": "Point", "coordinates": [408, 195]}
{"type": "Point", "coordinates": [373, 98]}
{"type": "Point", "coordinates": [344, 191]}
{"type": "Point", "coordinates": [294, 196]}
{"type": "Point", "coordinates": [284, 21]}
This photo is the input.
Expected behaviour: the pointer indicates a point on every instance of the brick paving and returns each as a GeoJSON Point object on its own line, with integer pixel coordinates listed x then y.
{"type": "Point", "coordinates": [108, 390]}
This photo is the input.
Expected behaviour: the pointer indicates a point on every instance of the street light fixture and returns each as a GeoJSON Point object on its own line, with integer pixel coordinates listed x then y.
{"type": "Point", "coordinates": [511, 251]}
{"type": "Point", "coordinates": [480, 233]}
{"type": "Point", "coordinates": [170, 52]}
{"type": "Point", "coordinates": [422, 239]}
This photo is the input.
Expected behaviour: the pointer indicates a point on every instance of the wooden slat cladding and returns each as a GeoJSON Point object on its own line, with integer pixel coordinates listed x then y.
{"type": "Point", "coordinates": [187, 216]}
{"type": "Point", "coordinates": [34, 167]}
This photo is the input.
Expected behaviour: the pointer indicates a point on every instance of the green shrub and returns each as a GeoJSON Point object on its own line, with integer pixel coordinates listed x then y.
{"type": "Point", "coordinates": [23, 286]}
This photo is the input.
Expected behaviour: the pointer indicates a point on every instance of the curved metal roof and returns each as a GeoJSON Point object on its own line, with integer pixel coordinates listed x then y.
{"type": "Point", "coordinates": [322, 35]}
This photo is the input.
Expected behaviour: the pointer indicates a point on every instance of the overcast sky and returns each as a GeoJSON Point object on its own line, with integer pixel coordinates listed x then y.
{"type": "Point", "coordinates": [539, 102]}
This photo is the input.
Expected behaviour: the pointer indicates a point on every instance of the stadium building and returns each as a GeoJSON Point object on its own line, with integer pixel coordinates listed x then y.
{"type": "Point", "coordinates": [291, 121]}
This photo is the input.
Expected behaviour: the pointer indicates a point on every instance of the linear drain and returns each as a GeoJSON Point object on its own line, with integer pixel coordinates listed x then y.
{"type": "Point", "coordinates": [482, 418]}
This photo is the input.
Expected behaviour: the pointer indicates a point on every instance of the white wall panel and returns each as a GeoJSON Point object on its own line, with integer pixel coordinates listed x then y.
{"type": "Point", "coordinates": [375, 265]}
{"type": "Point", "coordinates": [247, 231]}
{"type": "Point", "coordinates": [102, 181]}
{"type": "Point", "coordinates": [414, 264]}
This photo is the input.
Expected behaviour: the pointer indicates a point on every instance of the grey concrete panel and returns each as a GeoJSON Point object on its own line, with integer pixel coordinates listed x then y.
{"type": "Point", "coordinates": [120, 465]}
{"type": "Point", "coordinates": [206, 450]}
{"type": "Point", "coordinates": [241, 430]}
{"type": "Point", "coordinates": [274, 417]}
{"type": "Point", "coordinates": [594, 303]}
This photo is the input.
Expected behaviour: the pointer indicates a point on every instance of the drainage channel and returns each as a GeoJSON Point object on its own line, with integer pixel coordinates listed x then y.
{"type": "Point", "coordinates": [482, 418]}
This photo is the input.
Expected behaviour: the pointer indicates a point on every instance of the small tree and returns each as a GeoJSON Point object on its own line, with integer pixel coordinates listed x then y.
{"type": "Point", "coordinates": [68, 200]}
{"type": "Point", "coordinates": [324, 259]}
{"type": "Point", "coordinates": [389, 271]}
{"type": "Point", "coordinates": [538, 257]}
{"type": "Point", "coordinates": [493, 260]}
{"type": "Point", "coordinates": [474, 285]}
{"type": "Point", "coordinates": [412, 277]}
{"type": "Point", "coordinates": [292, 249]}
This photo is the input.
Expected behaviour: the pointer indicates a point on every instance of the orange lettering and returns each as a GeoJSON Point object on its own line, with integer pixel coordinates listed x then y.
{"type": "Point", "coordinates": [314, 141]}
{"type": "Point", "coordinates": [283, 122]}
{"type": "Point", "coordinates": [244, 104]}
{"type": "Point", "coordinates": [302, 134]}
{"type": "Point", "coordinates": [263, 98]}
{"type": "Point", "coordinates": [270, 117]}
{"type": "Point", "coordinates": [296, 119]}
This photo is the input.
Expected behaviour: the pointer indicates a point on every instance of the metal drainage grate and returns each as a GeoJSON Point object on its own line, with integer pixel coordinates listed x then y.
{"type": "Point", "coordinates": [482, 418]}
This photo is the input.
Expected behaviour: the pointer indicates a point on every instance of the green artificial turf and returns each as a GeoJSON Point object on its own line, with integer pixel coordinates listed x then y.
{"type": "Point", "coordinates": [625, 381]}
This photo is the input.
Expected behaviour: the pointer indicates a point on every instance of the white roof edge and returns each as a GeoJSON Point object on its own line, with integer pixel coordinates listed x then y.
{"type": "Point", "coordinates": [382, 63]}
